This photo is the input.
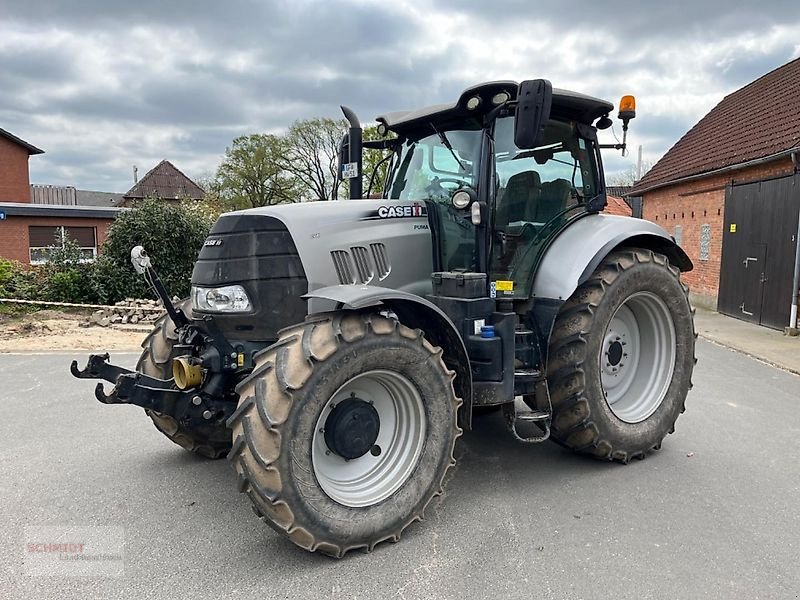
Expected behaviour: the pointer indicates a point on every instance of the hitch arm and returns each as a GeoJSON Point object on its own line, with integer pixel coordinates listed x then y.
{"type": "Point", "coordinates": [98, 368]}
{"type": "Point", "coordinates": [160, 395]}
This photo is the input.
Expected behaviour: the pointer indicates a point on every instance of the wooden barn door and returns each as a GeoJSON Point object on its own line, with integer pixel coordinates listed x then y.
{"type": "Point", "coordinates": [758, 248]}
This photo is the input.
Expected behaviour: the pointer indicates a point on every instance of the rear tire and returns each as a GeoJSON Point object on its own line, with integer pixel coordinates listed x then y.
{"type": "Point", "coordinates": [621, 357]}
{"type": "Point", "coordinates": [282, 453]}
{"type": "Point", "coordinates": [156, 360]}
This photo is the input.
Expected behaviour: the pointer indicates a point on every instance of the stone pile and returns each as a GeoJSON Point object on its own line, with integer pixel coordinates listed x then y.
{"type": "Point", "coordinates": [131, 311]}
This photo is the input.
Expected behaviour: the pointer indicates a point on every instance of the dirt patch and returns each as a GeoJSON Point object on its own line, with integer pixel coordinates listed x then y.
{"type": "Point", "coordinates": [55, 331]}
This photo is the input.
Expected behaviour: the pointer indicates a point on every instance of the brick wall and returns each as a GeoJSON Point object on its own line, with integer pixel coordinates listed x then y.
{"type": "Point", "coordinates": [693, 204]}
{"type": "Point", "coordinates": [14, 178]}
{"type": "Point", "coordinates": [14, 232]}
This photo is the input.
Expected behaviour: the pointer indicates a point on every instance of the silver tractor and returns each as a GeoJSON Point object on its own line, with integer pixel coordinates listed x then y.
{"type": "Point", "coordinates": [335, 351]}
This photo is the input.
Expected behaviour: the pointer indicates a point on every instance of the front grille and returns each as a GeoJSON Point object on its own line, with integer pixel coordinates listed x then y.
{"type": "Point", "coordinates": [343, 266]}
{"type": "Point", "coordinates": [363, 266]}
{"type": "Point", "coordinates": [360, 265]}
{"type": "Point", "coordinates": [381, 260]}
{"type": "Point", "coordinates": [258, 253]}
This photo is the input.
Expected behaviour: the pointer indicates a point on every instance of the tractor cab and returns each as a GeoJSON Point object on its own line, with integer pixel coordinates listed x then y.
{"type": "Point", "coordinates": [494, 200]}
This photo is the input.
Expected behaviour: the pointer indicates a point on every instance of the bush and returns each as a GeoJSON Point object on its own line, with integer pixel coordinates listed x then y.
{"type": "Point", "coordinates": [66, 278]}
{"type": "Point", "coordinates": [171, 235]}
{"type": "Point", "coordinates": [20, 282]}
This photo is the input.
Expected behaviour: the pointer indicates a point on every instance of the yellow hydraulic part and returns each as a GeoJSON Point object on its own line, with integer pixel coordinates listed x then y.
{"type": "Point", "coordinates": [186, 374]}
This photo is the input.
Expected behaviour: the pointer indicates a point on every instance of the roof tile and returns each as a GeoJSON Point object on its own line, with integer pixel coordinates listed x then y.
{"type": "Point", "coordinates": [165, 181]}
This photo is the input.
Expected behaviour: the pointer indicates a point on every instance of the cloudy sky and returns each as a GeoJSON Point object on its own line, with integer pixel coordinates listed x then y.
{"type": "Point", "coordinates": [102, 85]}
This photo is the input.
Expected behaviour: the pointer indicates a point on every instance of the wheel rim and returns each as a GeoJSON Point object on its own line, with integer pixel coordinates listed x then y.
{"type": "Point", "coordinates": [638, 357]}
{"type": "Point", "coordinates": [381, 471]}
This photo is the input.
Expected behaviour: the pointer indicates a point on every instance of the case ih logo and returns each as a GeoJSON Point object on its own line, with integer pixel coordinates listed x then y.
{"type": "Point", "coordinates": [392, 212]}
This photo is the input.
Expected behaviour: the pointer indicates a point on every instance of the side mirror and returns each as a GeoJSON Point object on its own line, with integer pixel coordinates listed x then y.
{"type": "Point", "coordinates": [534, 100]}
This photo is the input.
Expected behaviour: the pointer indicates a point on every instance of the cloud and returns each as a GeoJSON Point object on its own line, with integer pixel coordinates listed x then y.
{"type": "Point", "coordinates": [101, 86]}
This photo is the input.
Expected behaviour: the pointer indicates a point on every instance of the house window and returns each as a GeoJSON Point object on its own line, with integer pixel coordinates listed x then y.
{"type": "Point", "coordinates": [40, 239]}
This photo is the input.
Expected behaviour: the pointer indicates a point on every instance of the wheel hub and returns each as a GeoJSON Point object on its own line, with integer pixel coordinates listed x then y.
{"type": "Point", "coordinates": [352, 428]}
{"type": "Point", "coordinates": [638, 357]}
{"type": "Point", "coordinates": [614, 353]}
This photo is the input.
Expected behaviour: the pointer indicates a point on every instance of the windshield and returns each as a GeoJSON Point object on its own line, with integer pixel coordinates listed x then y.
{"type": "Point", "coordinates": [429, 168]}
{"type": "Point", "coordinates": [432, 167]}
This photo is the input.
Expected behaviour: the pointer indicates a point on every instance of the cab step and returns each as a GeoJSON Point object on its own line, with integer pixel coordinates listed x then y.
{"type": "Point", "coordinates": [528, 375]}
{"type": "Point", "coordinates": [528, 426]}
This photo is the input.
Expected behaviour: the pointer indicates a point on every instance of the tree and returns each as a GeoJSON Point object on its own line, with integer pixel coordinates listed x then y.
{"type": "Point", "coordinates": [629, 175]}
{"type": "Point", "coordinates": [312, 156]}
{"type": "Point", "coordinates": [252, 173]}
{"type": "Point", "coordinates": [374, 159]}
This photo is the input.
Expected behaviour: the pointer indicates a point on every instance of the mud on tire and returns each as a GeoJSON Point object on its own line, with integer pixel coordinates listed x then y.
{"type": "Point", "coordinates": [282, 402]}
{"type": "Point", "coordinates": [156, 361]}
{"type": "Point", "coordinates": [622, 426]}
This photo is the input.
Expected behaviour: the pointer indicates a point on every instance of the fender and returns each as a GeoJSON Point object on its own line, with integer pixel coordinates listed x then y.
{"type": "Point", "coordinates": [413, 311]}
{"type": "Point", "coordinates": [577, 251]}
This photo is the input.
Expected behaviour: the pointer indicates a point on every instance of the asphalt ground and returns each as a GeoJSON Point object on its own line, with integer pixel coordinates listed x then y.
{"type": "Point", "coordinates": [714, 514]}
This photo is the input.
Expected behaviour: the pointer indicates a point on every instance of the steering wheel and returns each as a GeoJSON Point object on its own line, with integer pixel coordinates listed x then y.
{"type": "Point", "coordinates": [436, 184]}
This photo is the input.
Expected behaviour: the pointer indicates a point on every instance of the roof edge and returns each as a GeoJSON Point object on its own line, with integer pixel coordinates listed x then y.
{"type": "Point", "coordinates": [19, 141]}
{"type": "Point", "coordinates": [27, 209]}
{"type": "Point", "coordinates": [636, 191]}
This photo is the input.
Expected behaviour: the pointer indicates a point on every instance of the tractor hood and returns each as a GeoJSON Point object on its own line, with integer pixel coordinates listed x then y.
{"type": "Point", "coordinates": [278, 253]}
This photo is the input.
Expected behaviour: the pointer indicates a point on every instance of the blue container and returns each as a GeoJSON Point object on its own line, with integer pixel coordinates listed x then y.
{"type": "Point", "coordinates": [487, 331]}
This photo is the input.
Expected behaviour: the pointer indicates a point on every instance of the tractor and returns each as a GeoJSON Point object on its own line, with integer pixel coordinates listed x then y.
{"type": "Point", "coordinates": [335, 351]}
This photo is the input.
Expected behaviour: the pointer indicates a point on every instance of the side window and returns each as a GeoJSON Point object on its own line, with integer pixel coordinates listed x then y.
{"type": "Point", "coordinates": [534, 192]}
{"type": "Point", "coordinates": [536, 185]}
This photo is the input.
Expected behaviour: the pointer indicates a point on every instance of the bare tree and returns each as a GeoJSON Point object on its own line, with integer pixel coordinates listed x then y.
{"type": "Point", "coordinates": [312, 156]}
{"type": "Point", "coordinates": [629, 175]}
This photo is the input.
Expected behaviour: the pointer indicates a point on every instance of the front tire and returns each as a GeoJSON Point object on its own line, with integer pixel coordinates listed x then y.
{"type": "Point", "coordinates": [210, 441]}
{"type": "Point", "coordinates": [621, 357]}
{"type": "Point", "coordinates": [344, 431]}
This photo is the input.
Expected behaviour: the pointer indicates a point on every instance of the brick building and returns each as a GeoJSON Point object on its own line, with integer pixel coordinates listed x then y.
{"type": "Point", "coordinates": [33, 218]}
{"type": "Point", "coordinates": [617, 206]}
{"type": "Point", "coordinates": [729, 192]}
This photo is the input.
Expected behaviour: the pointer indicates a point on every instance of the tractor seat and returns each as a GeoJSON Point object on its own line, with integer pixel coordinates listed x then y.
{"type": "Point", "coordinates": [555, 197]}
{"type": "Point", "coordinates": [520, 199]}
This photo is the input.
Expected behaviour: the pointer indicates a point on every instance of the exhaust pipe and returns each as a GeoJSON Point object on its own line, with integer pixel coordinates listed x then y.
{"type": "Point", "coordinates": [352, 170]}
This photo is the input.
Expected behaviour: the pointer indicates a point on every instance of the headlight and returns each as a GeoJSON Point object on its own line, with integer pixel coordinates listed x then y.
{"type": "Point", "coordinates": [229, 298]}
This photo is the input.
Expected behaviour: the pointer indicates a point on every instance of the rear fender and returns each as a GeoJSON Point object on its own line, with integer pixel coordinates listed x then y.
{"type": "Point", "coordinates": [578, 250]}
{"type": "Point", "coordinates": [415, 312]}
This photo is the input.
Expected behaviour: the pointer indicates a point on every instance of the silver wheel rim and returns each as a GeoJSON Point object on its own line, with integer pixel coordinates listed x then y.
{"type": "Point", "coordinates": [369, 479]}
{"type": "Point", "coordinates": [638, 357]}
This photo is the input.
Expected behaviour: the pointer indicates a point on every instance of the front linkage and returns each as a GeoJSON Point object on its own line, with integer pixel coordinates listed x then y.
{"type": "Point", "coordinates": [190, 407]}
{"type": "Point", "coordinates": [205, 368]}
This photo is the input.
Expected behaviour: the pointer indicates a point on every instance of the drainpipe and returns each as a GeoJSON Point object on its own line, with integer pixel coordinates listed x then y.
{"type": "Point", "coordinates": [796, 283]}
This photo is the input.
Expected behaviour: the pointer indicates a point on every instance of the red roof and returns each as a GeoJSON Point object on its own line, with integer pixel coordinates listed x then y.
{"type": "Point", "coordinates": [165, 181]}
{"type": "Point", "coordinates": [760, 120]}
{"type": "Point", "coordinates": [617, 206]}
